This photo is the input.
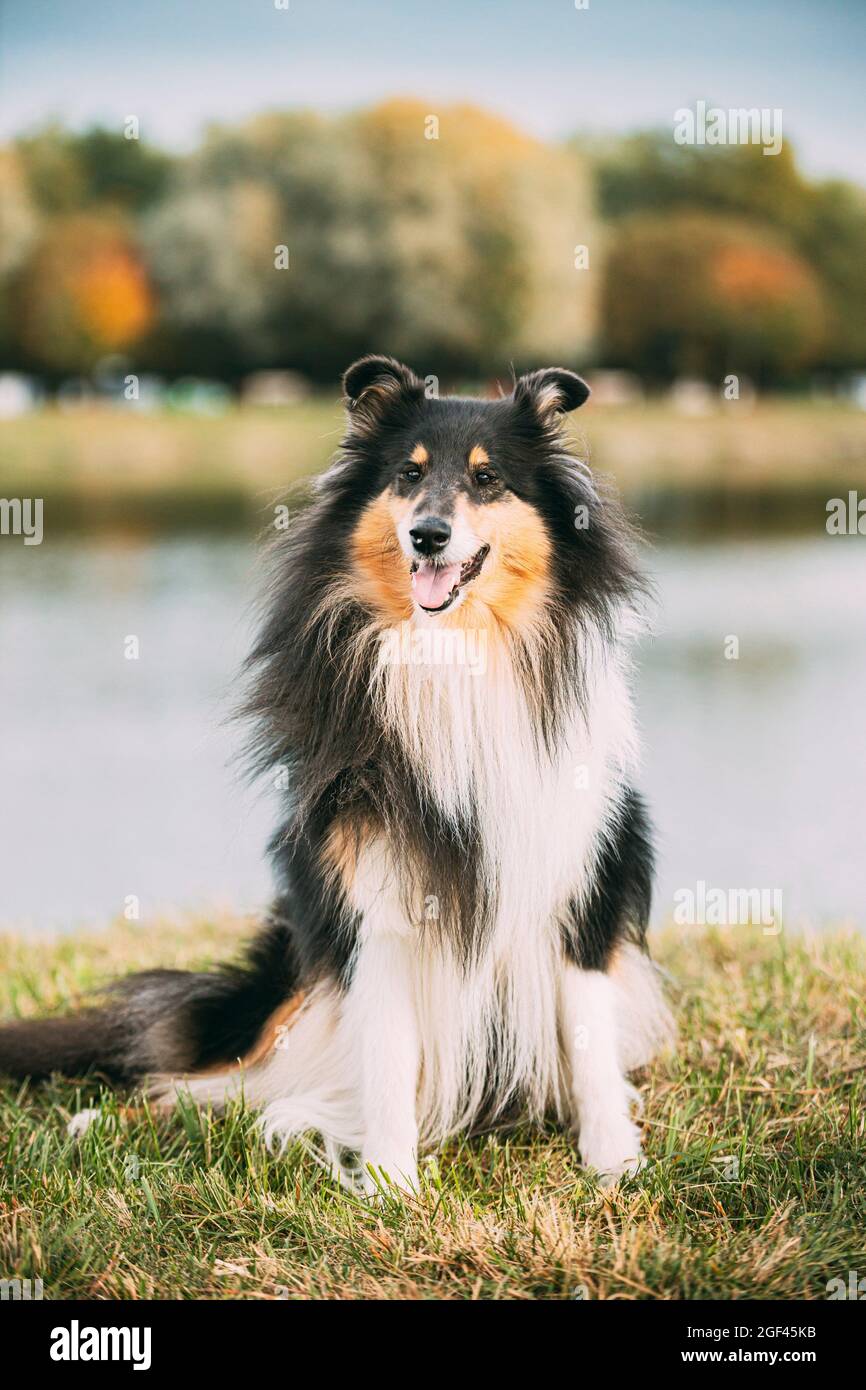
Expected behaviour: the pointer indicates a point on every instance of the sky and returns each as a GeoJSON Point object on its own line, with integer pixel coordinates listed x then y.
{"type": "Point", "coordinates": [551, 68]}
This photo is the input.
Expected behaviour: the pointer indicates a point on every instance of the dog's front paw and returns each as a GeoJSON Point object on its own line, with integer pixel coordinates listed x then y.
{"type": "Point", "coordinates": [390, 1177]}
{"type": "Point", "coordinates": [612, 1148]}
{"type": "Point", "coordinates": [81, 1121]}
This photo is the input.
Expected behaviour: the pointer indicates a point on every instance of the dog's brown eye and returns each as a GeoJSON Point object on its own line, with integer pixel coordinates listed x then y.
{"type": "Point", "coordinates": [484, 477]}
{"type": "Point", "coordinates": [411, 473]}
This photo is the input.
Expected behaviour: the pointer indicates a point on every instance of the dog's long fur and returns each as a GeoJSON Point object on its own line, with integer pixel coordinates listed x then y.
{"type": "Point", "coordinates": [464, 868]}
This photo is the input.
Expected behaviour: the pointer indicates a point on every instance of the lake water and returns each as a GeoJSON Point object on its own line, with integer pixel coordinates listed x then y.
{"type": "Point", "coordinates": [116, 775]}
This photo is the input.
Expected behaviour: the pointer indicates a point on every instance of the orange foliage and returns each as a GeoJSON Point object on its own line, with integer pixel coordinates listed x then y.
{"type": "Point", "coordinates": [113, 297]}
{"type": "Point", "coordinates": [84, 293]}
{"type": "Point", "coordinates": [756, 275]}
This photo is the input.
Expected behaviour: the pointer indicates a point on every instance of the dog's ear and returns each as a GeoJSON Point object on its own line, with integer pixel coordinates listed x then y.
{"type": "Point", "coordinates": [551, 392]}
{"type": "Point", "coordinates": [373, 384]}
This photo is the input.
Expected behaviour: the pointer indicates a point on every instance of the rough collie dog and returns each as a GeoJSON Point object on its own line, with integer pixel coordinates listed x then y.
{"type": "Point", "coordinates": [464, 867]}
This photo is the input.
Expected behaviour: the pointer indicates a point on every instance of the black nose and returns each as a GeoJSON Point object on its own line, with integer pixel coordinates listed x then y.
{"type": "Point", "coordinates": [430, 535]}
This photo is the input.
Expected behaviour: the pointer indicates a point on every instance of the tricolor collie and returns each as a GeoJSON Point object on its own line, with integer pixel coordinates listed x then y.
{"type": "Point", "coordinates": [464, 867]}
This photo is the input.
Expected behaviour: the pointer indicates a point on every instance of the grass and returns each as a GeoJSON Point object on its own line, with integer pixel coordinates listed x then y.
{"type": "Point", "coordinates": [102, 466]}
{"type": "Point", "coordinates": [754, 1129]}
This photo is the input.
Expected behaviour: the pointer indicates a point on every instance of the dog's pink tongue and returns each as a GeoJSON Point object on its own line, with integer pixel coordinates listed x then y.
{"type": "Point", "coordinates": [433, 584]}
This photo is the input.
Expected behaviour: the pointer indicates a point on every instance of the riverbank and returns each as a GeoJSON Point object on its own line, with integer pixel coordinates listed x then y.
{"type": "Point", "coordinates": [771, 465]}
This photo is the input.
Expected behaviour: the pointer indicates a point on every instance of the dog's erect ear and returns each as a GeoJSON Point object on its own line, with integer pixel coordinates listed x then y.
{"type": "Point", "coordinates": [551, 392]}
{"type": "Point", "coordinates": [373, 384]}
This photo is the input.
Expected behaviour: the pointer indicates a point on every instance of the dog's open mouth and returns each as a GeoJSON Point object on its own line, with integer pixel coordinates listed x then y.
{"type": "Point", "coordinates": [437, 586]}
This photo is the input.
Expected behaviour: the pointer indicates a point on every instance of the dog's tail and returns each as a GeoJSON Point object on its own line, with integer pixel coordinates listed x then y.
{"type": "Point", "coordinates": [162, 1020]}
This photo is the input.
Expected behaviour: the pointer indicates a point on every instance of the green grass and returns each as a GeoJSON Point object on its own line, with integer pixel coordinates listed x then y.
{"type": "Point", "coordinates": [99, 466]}
{"type": "Point", "coordinates": [769, 1072]}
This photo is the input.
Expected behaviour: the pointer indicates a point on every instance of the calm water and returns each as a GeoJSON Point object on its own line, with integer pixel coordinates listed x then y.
{"type": "Point", "coordinates": [116, 776]}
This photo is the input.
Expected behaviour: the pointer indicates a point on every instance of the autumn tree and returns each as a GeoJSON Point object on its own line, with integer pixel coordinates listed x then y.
{"type": "Point", "coordinates": [83, 292]}
{"type": "Point", "coordinates": [703, 295]}
{"type": "Point", "coordinates": [823, 224]}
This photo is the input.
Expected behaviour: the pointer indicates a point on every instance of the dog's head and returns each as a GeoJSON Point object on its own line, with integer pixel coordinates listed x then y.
{"type": "Point", "coordinates": [457, 505]}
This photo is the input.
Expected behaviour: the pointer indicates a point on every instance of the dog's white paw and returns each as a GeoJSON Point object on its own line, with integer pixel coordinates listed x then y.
{"type": "Point", "coordinates": [612, 1149]}
{"type": "Point", "coordinates": [390, 1177]}
{"type": "Point", "coordinates": [80, 1123]}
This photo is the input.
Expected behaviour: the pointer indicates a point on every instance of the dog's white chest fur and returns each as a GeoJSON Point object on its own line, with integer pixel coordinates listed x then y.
{"type": "Point", "coordinates": [541, 818]}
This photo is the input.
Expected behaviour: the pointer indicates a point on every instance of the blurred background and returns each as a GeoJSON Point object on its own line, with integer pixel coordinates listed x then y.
{"type": "Point", "coordinates": [208, 210]}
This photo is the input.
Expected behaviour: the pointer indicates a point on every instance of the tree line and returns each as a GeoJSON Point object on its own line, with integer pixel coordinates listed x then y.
{"type": "Point", "coordinates": [297, 240]}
